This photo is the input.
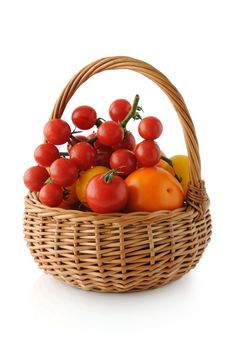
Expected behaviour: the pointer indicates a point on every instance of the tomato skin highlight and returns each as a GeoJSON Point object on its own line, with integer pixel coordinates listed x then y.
{"type": "Point", "coordinates": [105, 197]}
{"type": "Point", "coordinates": [35, 177]}
{"type": "Point", "coordinates": [51, 195]}
{"type": "Point", "coordinates": [148, 153]}
{"type": "Point", "coordinates": [124, 161]}
{"type": "Point", "coordinates": [45, 154]}
{"type": "Point", "coordinates": [63, 172]}
{"type": "Point", "coordinates": [110, 133]}
{"type": "Point", "coordinates": [57, 131]}
{"type": "Point", "coordinates": [83, 154]}
{"type": "Point", "coordinates": [84, 117]}
{"type": "Point", "coordinates": [119, 109]}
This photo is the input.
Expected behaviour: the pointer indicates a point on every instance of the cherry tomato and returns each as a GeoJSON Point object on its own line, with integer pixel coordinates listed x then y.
{"type": "Point", "coordinates": [63, 172]}
{"type": "Point", "coordinates": [119, 109]}
{"type": "Point", "coordinates": [45, 154]}
{"type": "Point", "coordinates": [124, 161]}
{"type": "Point", "coordinates": [83, 154]}
{"type": "Point", "coordinates": [110, 133]}
{"type": "Point", "coordinates": [84, 117]}
{"type": "Point", "coordinates": [147, 153]}
{"type": "Point", "coordinates": [150, 128]}
{"type": "Point", "coordinates": [57, 131]}
{"type": "Point", "coordinates": [152, 189]}
{"type": "Point", "coordinates": [81, 138]}
{"type": "Point", "coordinates": [35, 177]}
{"type": "Point", "coordinates": [83, 180]}
{"type": "Point", "coordinates": [51, 195]}
{"type": "Point", "coordinates": [103, 197]}
{"type": "Point", "coordinates": [103, 156]}
{"type": "Point", "coordinates": [127, 143]}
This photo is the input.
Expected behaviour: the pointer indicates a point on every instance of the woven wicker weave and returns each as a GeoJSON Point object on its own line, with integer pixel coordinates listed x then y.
{"type": "Point", "coordinates": [122, 252]}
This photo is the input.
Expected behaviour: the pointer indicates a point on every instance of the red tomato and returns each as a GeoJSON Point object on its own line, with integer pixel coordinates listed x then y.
{"type": "Point", "coordinates": [81, 138]}
{"type": "Point", "coordinates": [83, 154]}
{"type": "Point", "coordinates": [106, 197]}
{"type": "Point", "coordinates": [150, 128]}
{"type": "Point", "coordinates": [110, 133]}
{"type": "Point", "coordinates": [45, 154]}
{"type": "Point", "coordinates": [35, 177]}
{"type": "Point", "coordinates": [127, 143]}
{"type": "Point", "coordinates": [123, 160]}
{"type": "Point", "coordinates": [51, 195]}
{"type": "Point", "coordinates": [119, 109]}
{"type": "Point", "coordinates": [63, 172]}
{"type": "Point", "coordinates": [57, 131]}
{"type": "Point", "coordinates": [147, 153]}
{"type": "Point", "coordinates": [103, 154]}
{"type": "Point", "coordinates": [84, 117]}
{"type": "Point", "coordinates": [97, 144]}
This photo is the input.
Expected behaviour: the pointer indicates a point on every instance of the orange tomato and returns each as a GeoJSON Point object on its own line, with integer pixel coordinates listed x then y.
{"type": "Point", "coordinates": [153, 188]}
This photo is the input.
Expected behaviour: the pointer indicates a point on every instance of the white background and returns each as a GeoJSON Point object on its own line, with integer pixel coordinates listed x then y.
{"type": "Point", "coordinates": [203, 47]}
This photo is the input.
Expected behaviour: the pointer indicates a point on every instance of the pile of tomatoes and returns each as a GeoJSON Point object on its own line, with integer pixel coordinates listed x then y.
{"type": "Point", "coordinates": [104, 171]}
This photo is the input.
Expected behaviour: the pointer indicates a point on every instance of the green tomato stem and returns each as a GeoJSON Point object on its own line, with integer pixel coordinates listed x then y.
{"type": "Point", "coordinates": [132, 112]}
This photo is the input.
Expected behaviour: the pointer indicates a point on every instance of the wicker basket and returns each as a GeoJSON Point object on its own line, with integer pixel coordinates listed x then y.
{"type": "Point", "coordinates": [122, 252]}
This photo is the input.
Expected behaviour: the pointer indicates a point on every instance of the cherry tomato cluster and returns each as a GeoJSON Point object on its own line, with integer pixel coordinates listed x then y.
{"type": "Point", "coordinates": [111, 145]}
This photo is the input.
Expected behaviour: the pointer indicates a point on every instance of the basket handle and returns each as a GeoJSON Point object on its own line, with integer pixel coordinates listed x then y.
{"type": "Point", "coordinates": [196, 196]}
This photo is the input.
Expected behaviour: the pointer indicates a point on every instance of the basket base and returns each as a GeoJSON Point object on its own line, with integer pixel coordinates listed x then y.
{"type": "Point", "coordinates": [117, 252]}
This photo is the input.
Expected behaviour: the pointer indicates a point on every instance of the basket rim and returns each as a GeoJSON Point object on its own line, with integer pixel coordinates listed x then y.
{"type": "Point", "coordinates": [31, 200]}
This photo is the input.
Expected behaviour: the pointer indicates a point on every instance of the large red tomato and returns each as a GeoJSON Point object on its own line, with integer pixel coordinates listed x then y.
{"type": "Point", "coordinates": [104, 196]}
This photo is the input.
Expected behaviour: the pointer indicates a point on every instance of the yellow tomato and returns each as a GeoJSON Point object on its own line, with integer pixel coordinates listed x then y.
{"type": "Point", "coordinates": [181, 167]}
{"type": "Point", "coordinates": [85, 177]}
{"type": "Point", "coordinates": [71, 197]}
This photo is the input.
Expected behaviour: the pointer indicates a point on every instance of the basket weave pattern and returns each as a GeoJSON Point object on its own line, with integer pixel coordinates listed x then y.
{"type": "Point", "coordinates": [122, 252]}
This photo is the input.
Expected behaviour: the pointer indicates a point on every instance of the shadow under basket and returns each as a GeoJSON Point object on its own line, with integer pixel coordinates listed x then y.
{"type": "Point", "coordinates": [122, 252]}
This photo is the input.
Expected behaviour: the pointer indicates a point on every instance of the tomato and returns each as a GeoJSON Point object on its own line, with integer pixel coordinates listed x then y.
{"type": "Point", "coordinates": [51, 195]}
{"type": "Point", "coordinates": [84, 178]}
{"type": "Point", "coordinates": [164, 165]}
{"type": "Point", "coordinates": [63, 172]}
{"type": "Point", "coordinates": [84, 117]}
{"type": "Point", "coordinates": [124, 161]}
{"type": "Point", "coordinates": [71, 197]}
{"type": "Point", "coordinates": [150, 128]}
{"type": "Point", "coordinates": [103, 154]}
{"type": "Point", "coordinates": [81, 138]}
{"type": "Point", "coordinates": [35, 177]}
{"type": "Point", "coordinates": [57, 131]}
{"type": "Point", "coordinates": [110, 133]}
{"type": "Point", "coordinates": [45, 154]}
{"type": "Point", "coordinates": [152, 189]}
{"type": "Point", "coordinates": [127, 143]}
{"type": "Point", "coordinates": [83, 154]}
{"type": "Point", "coordinates": [181, 167]}
{"type": "Point", "coordinates": [106, 197]}
{"type": "Point", "coordinates": [119, 109]}
{"type": "Point", "coordinates": [147, 153]}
